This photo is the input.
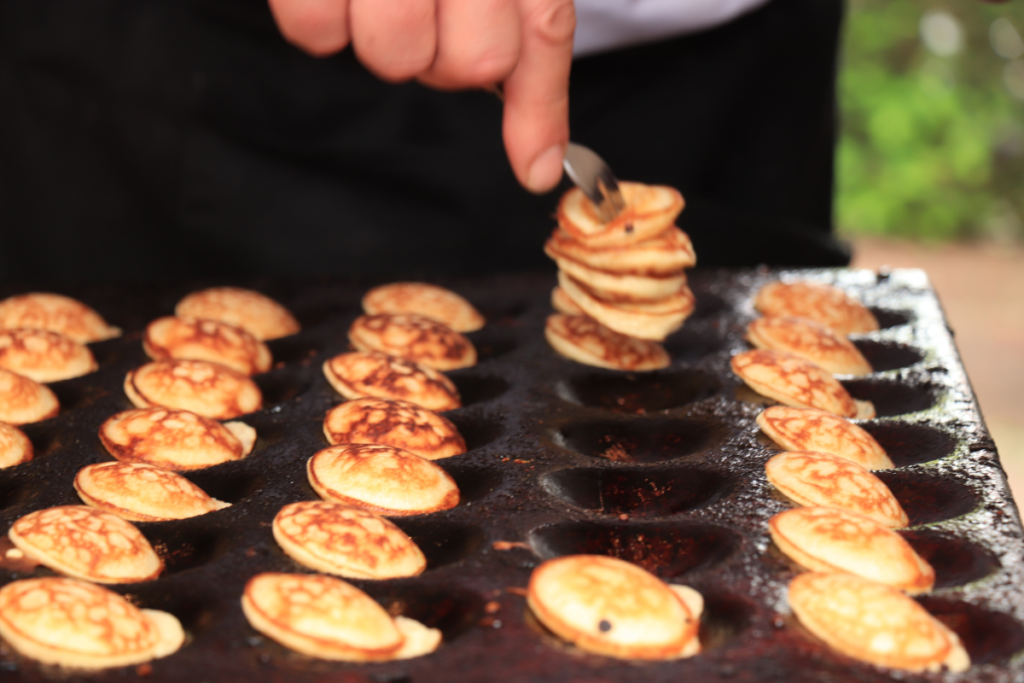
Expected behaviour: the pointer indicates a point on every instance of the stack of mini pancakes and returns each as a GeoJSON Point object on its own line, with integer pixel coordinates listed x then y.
{"type": "Point", "coordinates": [622, 287]}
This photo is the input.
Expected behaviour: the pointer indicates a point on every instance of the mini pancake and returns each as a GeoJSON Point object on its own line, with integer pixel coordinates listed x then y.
{"type": "Point", "coordinates": [605, 605]}
{"type": "Point", "coordinates": [381, 479]}
{"type": "Point", "coordinates": [830, 540]}
{"type": "Point", "coordinates": [807, 429]}
{"type": "Point", "coordinates": [175, 439]}
{"type": "Point", "coordinates": [587, 341]}
{"type": "Point", "coordinates": [259, 315]}
{"type": "Point", "coordinates": [624, 288]}
{"type": "Point", "coordinates": [208, 389]}
{"type": "Point", "coordinates": [668, 253]}
{"type": "Point", "coordinates": [561, 302]}
{"type": "Point", "coordinates": [78, 625]}
{"type": "Point", "coordinates": [56, 313]}
{"type": "Point", "coordinates": [793, 381]}
{"type": "Point", "coordinates": [142, 493]}
{"type": "Point", "coordinates": [23, 401]}
{"type": "Point", "coordinates": [414, 337]}
{"type": "Point", "coordinates": [810, 340]}
{"type": "Point", "coordinates": [15, 447]}
{"type": "Point", "coordinates": [374, 374]}
{"type": "Point", "coordinates": [430, 301]}
{"type": "Point", "coordinates": [393, 423]}
{"type": "Point", "coordinates": [346, 541]}
{"type": "Point", "coordinates": [44, 356]}
{"type": "Point", "coordinates": [824, 304]}
{"type": "Point", "coordinates": [650, 210]}
{"type": "Point", "coordinates": [874, 623]}
{"type": "Point", "coordinates": [818, 479]}
{"type": "Point", "coordinates": [653, 321]}
{"type": "Point", "coordinates": [209, 340]}
{"type": "Point", "coordinates": [328, 618]}
{"type": "Point", "coordinates": [86, 543]}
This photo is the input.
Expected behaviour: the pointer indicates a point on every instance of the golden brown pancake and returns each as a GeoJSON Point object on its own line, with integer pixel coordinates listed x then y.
{"type": "Point", "coordinates": [209, 340]}
{"type": "Point", "coordinates": [208, 389]}
{"type": "Point", "coordinates": [624, 288]}
{"type": "Point", "coordinates": [414, 337]}
{"type": "Point", "coordinates": [822, 480]}
{"type": "Point", "coordinates": [666, 254]}
{"type": "Point", "coordinates": [328, 618]}
{"type": "Point", "coordinates": [381, 479]}
{"type": "Point", "coordinates": [561, 302]}
{"type": "Point", "coordinates": [824, 304]}
{"type": "Point", "coordinates": [586, 341]}
{"type": "Point", "coordinates": [78, 625]}
{"type": "Point", "coordinates": [44, 356]}
{"type": "Point", "coordinates": [793, 381]}
{"type": "Point", "coordinates": [810, 340]}
{"type": "Point", "coordinates": [430, 301]}
{"type": "Point", "coordinates": [653, 321]}
{"type": "Point", "coordinates": [650, 210]}
{"type": "Point", "coordinates": [834, 540]}
{"type": "Point", "coordinates": [23, 400]}
{"type": "Point", "coordinates": [142, 493]}
{"type": "Point", "coordinates": [346, 541]}
{"type": "Point", "coordinates": [874, 623]}
{"type": "Point", "coordinates": [259, 315]}
{"type": "Point", "coordinates": [86, 543]}
{"type": "Point", "coordinates": [394, 423]}
{"type": "Point", "coordinates": [175, 439]}
{"type": "Point", "coordinates": [56, 313]}
{"type": "Point", "coordinates": [605, 605]}
{"type": "Point", "coordinates": [15, 447]}
{"type": "Point", "coordinates": [807, 429]}
{"type": "Point", "coordinates": [373, 374]}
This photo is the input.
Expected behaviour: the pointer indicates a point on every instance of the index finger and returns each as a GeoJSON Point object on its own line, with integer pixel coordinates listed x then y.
{"type": "Point", "coordinates": [536, 119]}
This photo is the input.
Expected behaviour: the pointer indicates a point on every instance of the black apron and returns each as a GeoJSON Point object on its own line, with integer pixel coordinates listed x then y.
{"type": "Point", "coordinates": [144, 139]}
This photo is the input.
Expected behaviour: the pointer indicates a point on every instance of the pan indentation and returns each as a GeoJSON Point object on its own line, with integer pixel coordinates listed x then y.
{"type": "Point", "coordinates": [638, 392]}
{"type": "Point", "coordinates": [475, 388]}
{"type": "Point", "coordinates": [956, 562]}
{"type": "Point", "coordinates": [443, 543]}
{"type": "Point", "coordinates": [883, 355]}
{"type": "Point", "coordinates": [279, 387]}
{"type": "Point", "coordinates": [910, 444]}
{"type": "Point", "coordinates": [477, 430]}
{"type": "Point", "coordinates": [989, 637]}
{"type": "Point", "coordinates": [450, 610]}
{"type": "Point", "coordinates": [644, 492]}
{"type": "Point", "coordinates": [887, 317]}
{"type": "Point", "coordinates": [690, 345]}
{"type": "Point", "coordinates": [892, 397]}
{"type": "Point", "coordinates": [928, 499]}
{"type": "Point", "coordinates": [643, 441]}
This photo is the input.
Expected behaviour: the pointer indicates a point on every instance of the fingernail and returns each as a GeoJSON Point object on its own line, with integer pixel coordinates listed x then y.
{"type": "Point", "coordinates": [546, 170]}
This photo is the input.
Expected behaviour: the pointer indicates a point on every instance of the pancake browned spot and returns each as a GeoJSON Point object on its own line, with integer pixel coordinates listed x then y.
{"type": "Point", "coordinates": [381, 479]}
{"type": "Point", "coordinates": [666, 254]}
{"type": "Point", "coordinates": [86, 543]}
{"type": "Point", "coordinates": [15, 447]}
{"type": "Point", "coordinates": [23, 400]}
{"type": "Point", "coordinates": [78, 625]}
{"type": "Point", "coordinates": [142, 493]}
{"type": "Point", "coordinates": [259, 315]}
{"type": "Point", "coordinates": [586, 341]}
{"type": "Point", "coordinates": [346, 541]}
{"type": "Point", "coordinates": [825, 304]}
{"type": "Point", "coordinates": [810, 340]}
{"type": "Point", "coordinates": [56, 313]}
{"type": "Point", "coordinates": [374, 374]}
{"type": "Point", "coordinates": [209, 340]}
{"type": "Point", "coordinates": [328, 618]}
{"type": "Point", "coordinates": [611, 607]}
{"type": "Point", "coordinates": [874, 623]}
{"type": "Point", "coordinates": [793, 381]}
{"type": "Point", "coordinates": [819, 479]}
{"type": "Point", "coordinates": [394, 423]}
{"type": "Point", "coordinates": [414, 337]}
{"type": "Point", "coordinates": [650, 210]}
{"type": "Point", "coordinates": [44, 356]}
{"type": "Point", "coordinates": [561, 302]}
{"type": "Point", "coordinates": [430, 301]}
{"type": "Point", "coordinates": [175, 439]}
{"type": "Point", "coordinates": [207, 389]}
{"type": "Point", "coordinates": [807, 429]}
{"type": "Point", "coordinates": [829, 539]}
{"type": "Point", "coordinates": [651, 320]}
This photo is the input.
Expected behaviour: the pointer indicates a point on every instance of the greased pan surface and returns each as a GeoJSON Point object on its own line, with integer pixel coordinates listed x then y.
{"type": "Point", "coordinates": [664, 469]}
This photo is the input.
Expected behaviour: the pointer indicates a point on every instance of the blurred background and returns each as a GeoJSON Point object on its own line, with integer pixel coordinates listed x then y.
{"type": "Point", "coordinates": [931, 175]}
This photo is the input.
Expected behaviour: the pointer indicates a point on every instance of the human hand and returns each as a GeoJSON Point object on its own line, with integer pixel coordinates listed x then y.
{"type": "Point", "coordinates": [455, 44]}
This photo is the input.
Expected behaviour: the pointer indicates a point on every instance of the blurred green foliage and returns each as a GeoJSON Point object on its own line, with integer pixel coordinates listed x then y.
{"type": "Point", "coordinates": [932, 143]}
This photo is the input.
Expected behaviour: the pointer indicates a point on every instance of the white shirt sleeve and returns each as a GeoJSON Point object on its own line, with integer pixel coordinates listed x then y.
{"type": "Point", "coordinates": [603, 25]}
